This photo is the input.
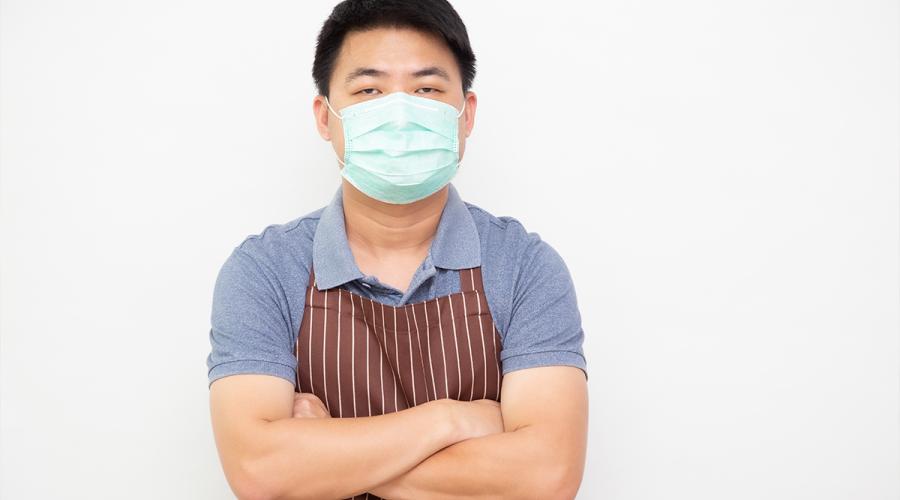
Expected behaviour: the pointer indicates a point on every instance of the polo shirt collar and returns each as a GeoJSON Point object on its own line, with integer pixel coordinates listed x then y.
{"type": "Point", "coordinates": [456, 243]}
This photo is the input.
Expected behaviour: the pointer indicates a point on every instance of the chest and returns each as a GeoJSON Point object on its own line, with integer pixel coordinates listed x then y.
{"type": "Point", "coordinates": [363, 357]}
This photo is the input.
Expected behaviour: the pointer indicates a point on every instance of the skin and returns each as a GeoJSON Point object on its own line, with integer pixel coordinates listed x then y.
{"type": "Point", "coordinates": [286, 445]}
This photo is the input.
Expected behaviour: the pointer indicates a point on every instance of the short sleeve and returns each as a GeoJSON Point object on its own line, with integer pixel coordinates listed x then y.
{"type": "Point", "coordinates": [545, 323]}
{"type": "Point", "coordinates": [250, 331]}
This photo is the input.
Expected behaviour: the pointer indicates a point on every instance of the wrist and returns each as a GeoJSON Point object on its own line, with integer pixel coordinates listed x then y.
{"type": "Point", "coordinates": [450, 421]}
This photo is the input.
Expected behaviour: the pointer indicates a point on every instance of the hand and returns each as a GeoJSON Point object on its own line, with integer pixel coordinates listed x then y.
{"type": "Point", "coordinates": [308, 405]}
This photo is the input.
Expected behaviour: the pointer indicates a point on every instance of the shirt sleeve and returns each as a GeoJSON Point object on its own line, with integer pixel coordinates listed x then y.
{"type": "Point", "coordinates": [249, 332]}
{"type": "Point", "coordinates": [545, 323]}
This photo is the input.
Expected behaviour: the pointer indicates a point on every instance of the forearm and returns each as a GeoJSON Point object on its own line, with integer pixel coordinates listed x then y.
{"type": "Point", "coordinates": [340, 457]}
{"type": "Point", "coordinates": [517, 464]}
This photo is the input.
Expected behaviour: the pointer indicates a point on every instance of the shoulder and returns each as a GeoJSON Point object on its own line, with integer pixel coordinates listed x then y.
{"type": "Point", "coordinates": [530, 293]}
{"type": "Point", "coordinates": [507, 237]}
{"type": "Point", "coordinates": [282, 244]}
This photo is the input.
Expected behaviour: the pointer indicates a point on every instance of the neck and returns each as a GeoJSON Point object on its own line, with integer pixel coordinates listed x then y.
{"type": "Point", "coordinates": [384, 228]}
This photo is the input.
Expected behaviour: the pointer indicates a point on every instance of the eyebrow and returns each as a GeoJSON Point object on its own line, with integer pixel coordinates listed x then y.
{"type": "Point", "coordinates": [358, 72]}
{"type": "Point", "coordinates": [430, 71]}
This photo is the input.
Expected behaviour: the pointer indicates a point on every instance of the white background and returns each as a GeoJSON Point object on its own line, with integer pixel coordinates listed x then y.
{"type": "Point", "coordinates": [720, 177]}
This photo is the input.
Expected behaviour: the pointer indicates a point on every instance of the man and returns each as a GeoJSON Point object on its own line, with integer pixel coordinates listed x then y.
{"type": "Point", "coordinates": [398, 342]}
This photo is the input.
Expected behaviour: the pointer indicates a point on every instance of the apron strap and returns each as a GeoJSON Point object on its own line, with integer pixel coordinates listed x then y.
{"type": "Point", "coordinates": [470, 280]}
{"type": "Point", "coordinates": [312, 276]}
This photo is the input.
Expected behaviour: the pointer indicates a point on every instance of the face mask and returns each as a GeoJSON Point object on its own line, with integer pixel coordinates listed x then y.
{"type": "Point", "coordinates": [400, 148]}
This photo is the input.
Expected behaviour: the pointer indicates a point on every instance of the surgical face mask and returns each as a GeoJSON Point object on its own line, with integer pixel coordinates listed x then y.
{"type": "Point", "coordinates": [400, 148]}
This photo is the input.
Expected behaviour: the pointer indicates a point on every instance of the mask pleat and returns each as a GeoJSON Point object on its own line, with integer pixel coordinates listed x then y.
{"type": "Point", "coordinates": [400, 148]}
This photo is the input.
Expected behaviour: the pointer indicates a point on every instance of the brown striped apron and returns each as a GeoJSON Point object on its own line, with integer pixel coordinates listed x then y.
{"type": "Point", "coordinates": [365, 358]}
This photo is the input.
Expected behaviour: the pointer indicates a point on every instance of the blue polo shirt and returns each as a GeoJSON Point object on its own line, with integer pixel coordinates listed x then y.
{"type": "Point", "coordinates": [258, 298]}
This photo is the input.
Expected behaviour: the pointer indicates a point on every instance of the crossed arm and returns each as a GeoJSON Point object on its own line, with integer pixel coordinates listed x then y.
{"type": "Point", "coordinates": [540, 454]}
{"type": "Point", "coordinates": [414, 453]}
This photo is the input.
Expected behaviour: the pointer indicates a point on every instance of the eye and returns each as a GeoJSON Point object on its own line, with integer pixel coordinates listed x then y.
{"type": "Point", "coordinates": [429, 90]}
{"type": "Point", "coordinates": [367, 91]}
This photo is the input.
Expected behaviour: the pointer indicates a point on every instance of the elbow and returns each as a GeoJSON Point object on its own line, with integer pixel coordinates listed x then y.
{"type": "Point", "coordinates": [559, 482]}
{"type": "Point", "coordinates": [247, 484]}
{"type": "Point", "coordinates": [568, 486]}
{"type": "Point", "coordinates": [256, 482]}
{"type": "Point", "coordinates": [251, 482]}
{"type": "Point", "coordinates": [246, 491]}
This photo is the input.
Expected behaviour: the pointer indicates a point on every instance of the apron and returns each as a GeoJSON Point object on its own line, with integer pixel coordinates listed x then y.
{"type": "Point", "coordinates": [364, 358]}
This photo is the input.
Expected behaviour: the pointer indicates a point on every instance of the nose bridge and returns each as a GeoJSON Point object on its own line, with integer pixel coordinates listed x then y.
{"type": "Point", "coordinates": [401, 79]}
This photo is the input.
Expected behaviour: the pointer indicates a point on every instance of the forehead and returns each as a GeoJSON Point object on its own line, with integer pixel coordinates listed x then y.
{"type": "Point", "coordinates": [394, 50]}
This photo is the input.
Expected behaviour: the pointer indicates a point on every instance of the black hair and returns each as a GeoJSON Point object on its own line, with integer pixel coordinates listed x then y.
{"type": "Point", "coordinates": [436, 17]}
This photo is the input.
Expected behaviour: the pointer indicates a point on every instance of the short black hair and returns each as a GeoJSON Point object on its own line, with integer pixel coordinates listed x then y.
{"type": "Point", "coordinates": [436, 17]}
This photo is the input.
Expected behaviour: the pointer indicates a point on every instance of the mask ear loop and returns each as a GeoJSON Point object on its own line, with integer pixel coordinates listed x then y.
{"type": "Point", "coordinates": [339, 117]}
{"type": "Point", "coordinates": [463, 108]}
{"type": "Point", "coordinates": [465, 100]}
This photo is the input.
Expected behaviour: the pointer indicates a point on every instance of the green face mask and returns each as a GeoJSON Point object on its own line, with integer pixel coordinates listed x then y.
{"type": "Point", "coordinates": [400, 148]}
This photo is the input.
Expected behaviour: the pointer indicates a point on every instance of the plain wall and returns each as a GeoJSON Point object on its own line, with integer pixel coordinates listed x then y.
{"type": "Point", "coordinates": [720, 177]}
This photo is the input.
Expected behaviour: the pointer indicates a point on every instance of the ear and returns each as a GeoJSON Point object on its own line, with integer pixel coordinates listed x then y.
{"type": "Point", "coordinates": [469, 113]}
{"type": "Point", "coordinates": [322, 116]}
